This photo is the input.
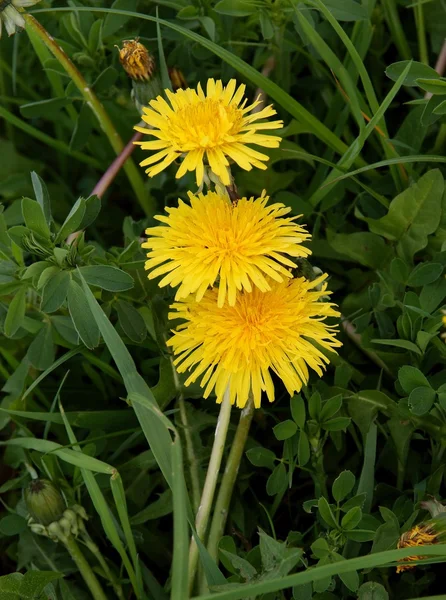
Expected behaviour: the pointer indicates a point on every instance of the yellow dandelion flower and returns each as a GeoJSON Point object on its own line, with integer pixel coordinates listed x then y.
{"type": "Point", "coordinates": [215, 127]}
{"type": "Point", "coordinates": [420, 535]}
{"type": "Point", "coordinates": [10, 14]}
{"type": "Point", "coordinates": [242, 244]}
{"type": "Point", "coordinates": [240, 345]}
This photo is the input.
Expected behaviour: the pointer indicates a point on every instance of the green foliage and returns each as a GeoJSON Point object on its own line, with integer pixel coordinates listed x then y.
{"type": "Point", "coordinates": [331, 477]}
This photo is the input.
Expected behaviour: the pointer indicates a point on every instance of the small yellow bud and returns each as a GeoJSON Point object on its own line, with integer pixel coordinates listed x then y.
{"type": "Point", "coordinates": [177, 79]}
{"type": "Point", "coordinates": [44, 501]}
{"type": "Point", "coordinates": [136, 60]}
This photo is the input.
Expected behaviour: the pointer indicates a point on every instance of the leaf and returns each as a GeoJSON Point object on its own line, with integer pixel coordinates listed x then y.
{"type": "Point", "coordinates": [107, 277]}
{"type": "Point", "coordinates": [424, 274]}
{"type": "Point", "coordinates": [411, 378]}
{"type": "Point", "coordinates": [41, 352]}
{"type": "Point", "coordinates": [44, 108]}
{"type": "Point", "coordinates": [433, 86]}
{"type": "Point", "coordinates": [131, 321]}
{"type": "Point", "coordinates": [346, 10]}
{"type": "Point", "coordinates": [16, 313]}
{"type": "Point", "coordinates": [343, 485]}
{"type": "Point", "coordinates": [298, 410]}
{"type": "Point", "coordinates": [421, 400]}
{"type": "Point", "coordinates": [416, 71]}
{"type": "Point", "coordinates": [26, 587]}
{"type": "Point", "coordinates": [160, 508]}
{"type": "Point", "coordinates": [114, 21]}
{"type": "Point", "coordinates": [73, 220]}
{"type": "Point", "coordinates": [352, 518]}
{"type": "Point", "coordinates": [12, 525]}
{"type": "Point", "coordinates": [92, 210]}
{"type": "Point", "coordinates": [364, 248]}
{"type": "Point", "coordinates": [413, 215]}
{"type": "Point", "coordinates": [277, 481]}
{"type": "Point", "coordinates": [55, 291]}
{"type": "Point", "coordinates": [399, 344]}
{"type": "Point", "coordinates": [82, 316]}
{"type": "Point", "coordinates": [336, 424]}
{"type": "Point", "coordinates": [235, 8]}
{"type": "Point", "coordinates": [82, 129]}
{"type": "Point", "coordinates": [326, 512]}
{"type": "Point", "coordinates": [285, 430]}
{"type": "Point", "coordinates": [42, 196]}
{"type": "Point", "coordinates": [372, 591]}
{"type": "Point", "coordinates": [35, 218]}
{"type": "Point", "coordinates": [303, 449]}
{"type": "Point", "coordinates": [261, 457]}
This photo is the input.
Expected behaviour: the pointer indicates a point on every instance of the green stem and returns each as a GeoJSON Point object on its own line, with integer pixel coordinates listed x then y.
{"type": "Point", "coordinates": [96, 106]}
{"type": "Point", "coordinates": [210, 483]}
{"type": "Point", "coordinates": [229, 478]}
{"type": "Point", "coordinates": [396, 29]}
{"type": "Point", "coordinates": [421, 33]}
{"type": "Point", "coordinates": [440, 142]}
{"type": "Point", "coordinates": [89, 577]}
{"type": "Point", "coordinates": [101, 560]}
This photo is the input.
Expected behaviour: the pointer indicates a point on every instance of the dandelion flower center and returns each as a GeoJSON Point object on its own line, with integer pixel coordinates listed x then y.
{"type": "Point", "coordinates": [241, 246]}
{"type": "Point", "coordinates": [420, 535]}
{"type": "Point", "coordinates": [210, 129]}
{"type": "Point", "coordinates": [263, 332]}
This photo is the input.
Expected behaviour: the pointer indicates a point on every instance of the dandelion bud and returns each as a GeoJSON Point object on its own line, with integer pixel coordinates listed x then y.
{"type": "Point", "coordinates": [177, 79]}
{"type": "Point", "coordinates": [44, 502]}
{"type": "Point", "coordinates": [136, 60]}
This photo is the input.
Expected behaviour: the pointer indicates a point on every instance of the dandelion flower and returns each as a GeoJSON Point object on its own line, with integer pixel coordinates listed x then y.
{"type": "Point", "coordinates": [420, 535]}
{"type": "Point", "coordinates": [215, 127]}
{"type": "Point", "coordinates": [136, 60]}
{"type": "Point", "coordinates": [10, 14]}
{"type": "Point", "coordinates": [263, 332]}
{"type": "Point", "coordinates": [242, 244]}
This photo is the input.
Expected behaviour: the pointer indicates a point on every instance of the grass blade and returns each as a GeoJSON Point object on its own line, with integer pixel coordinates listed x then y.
{"type": "Point", "coordinates": [101, 506]}
{"type": "Point", "coordinates": [83, 461]}
{"type": "Point", "coordinates": [317, 573]}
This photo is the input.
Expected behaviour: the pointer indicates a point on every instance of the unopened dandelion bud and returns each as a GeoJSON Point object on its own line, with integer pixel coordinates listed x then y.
{"type": "Point", "coordinates": [138, 63]}
{"type": "Point", "coordinates": [177, 79]}
{"type": "Point", "coordinates": [44, 501]}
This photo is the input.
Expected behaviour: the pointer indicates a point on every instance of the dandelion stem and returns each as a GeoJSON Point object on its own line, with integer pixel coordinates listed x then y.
{"type": "Point", "coordinates": [229, 478]}
{"type": "Point", "coordinates": [210, 483]}
{"type": "Point", "coordinates": [107, 571]}
{"type": "Point", "coordinates": [89, 577]}
{"type": "Point", "coordinates": [98, 109]}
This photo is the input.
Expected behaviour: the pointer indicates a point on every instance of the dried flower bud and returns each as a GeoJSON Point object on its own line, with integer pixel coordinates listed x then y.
{"type": "Point", "coordinates": [44, 502]}
{"type": "Point", "coordinates": [177, 79]}
{"type": "Point", "coordinates": [136, 60]}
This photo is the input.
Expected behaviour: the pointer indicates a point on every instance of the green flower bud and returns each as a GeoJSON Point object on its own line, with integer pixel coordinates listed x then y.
{"type": "Point", "coordinates": [44, 502]}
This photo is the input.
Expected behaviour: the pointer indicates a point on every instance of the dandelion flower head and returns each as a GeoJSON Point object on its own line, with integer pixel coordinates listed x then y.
{"type": "Point", "coordinates": [243, 245]}
{"type": "Point", "coordinates": [215, 127]}
{"type": "Point", "coordinates": [239, 346]}
{"type": "Point", "coordinates": [420, 535]}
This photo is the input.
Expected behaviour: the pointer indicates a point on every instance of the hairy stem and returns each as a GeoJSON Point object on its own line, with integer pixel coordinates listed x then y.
{"type": "Point", "coordinates": [207, 497]}
{"type": "Point", "coordinates": [96, 106]}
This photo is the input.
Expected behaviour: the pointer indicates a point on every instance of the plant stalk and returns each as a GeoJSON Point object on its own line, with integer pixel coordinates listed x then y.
{"type": "Point", "coordinates": [229, 478]}
{"type": "Point", "coordinates": [89, 577]}
{"type": "Point", "coordinates": [98, 109]}
{"type": "Point", "coordinates": [207, 497]}
{"type": "Point", "coordinates": [101, 560]}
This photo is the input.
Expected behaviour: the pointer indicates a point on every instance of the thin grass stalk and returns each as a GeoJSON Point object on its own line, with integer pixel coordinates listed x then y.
{"type": "Point", "coordinates": [96, 106]}
{"type": "Point", "coordinates": [207, 497]}
{"type": "Point", "coordinates": [421, 33]}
